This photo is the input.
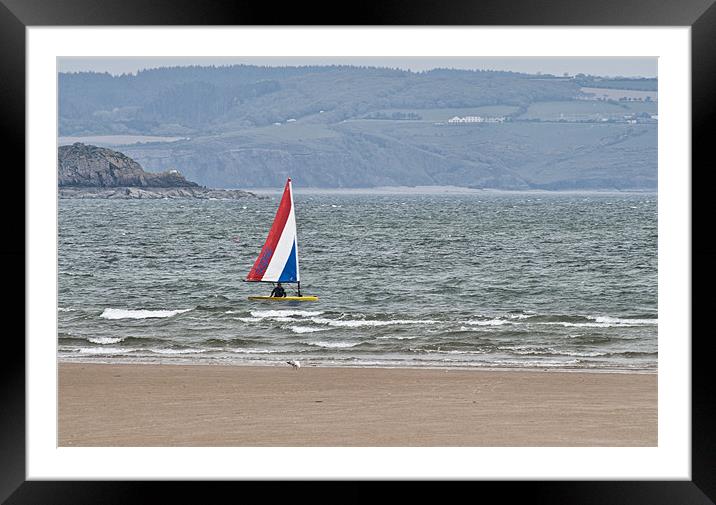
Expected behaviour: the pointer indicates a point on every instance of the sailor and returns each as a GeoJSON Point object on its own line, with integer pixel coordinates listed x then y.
{"type": "Point", "coordinates": [278, 291]}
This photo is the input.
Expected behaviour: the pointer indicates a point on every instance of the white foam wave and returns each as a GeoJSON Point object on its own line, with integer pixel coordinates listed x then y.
{"type": "Point", "coordinates": [356, 323]}
{"type": "Point", "coordinates": [594, 321]}
{"type": "Point", "coordinates": [285, 313]}
{"type": "Point", "coordinates": [604, 324]}
{"type": "Point", "coordinates": [532, 350]}
{"type": "Point", "coordinates": [178, 351]}
{"type": "Point", "coordinates": [519, 347]}
{"type": "Point", "coordinates": [538, 352]}
{"type": "Point", "coordinates": [139, 314]}
{"type": "Point", "coordinates": [583, 354]}
{"type": "Point", "coordinates": [100, 350]}
{"type": "Point", "coordinates": [619, 321]}
{"type": "Point", "coordinates": [333, 344]}
{"type": "Point", "coordinates": [105, 340]}
{"type": "Point", "coordinates": [305, 329]}
{"type": "Point", "coordinates": [395, 338]}
{"type": "Point", "coordinates": [248, 319]}
{"type": "Point", "coordinates": [584, 325]}
{"type": "Point", "coordinates": [65, 309]}
{"type": "Point", "coordinates": [251, 351]}
{"type": "Point", "coordinates": [489, 322]}
{"type": "Point", "coordinates": [536, 363]}
{"type": "Point", "coordinates": [440, 351]}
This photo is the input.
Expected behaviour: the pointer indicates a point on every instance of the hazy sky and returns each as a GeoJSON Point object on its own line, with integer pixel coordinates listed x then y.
{"type": "Point", "coordinates": [607, 66]}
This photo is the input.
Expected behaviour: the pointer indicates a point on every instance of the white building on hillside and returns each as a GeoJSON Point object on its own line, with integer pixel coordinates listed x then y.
{"type": "Point", "coordinates": [476, 119]}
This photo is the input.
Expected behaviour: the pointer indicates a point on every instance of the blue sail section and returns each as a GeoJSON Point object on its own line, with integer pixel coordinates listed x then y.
{"type": "Point", "coordinates": [289, 273]}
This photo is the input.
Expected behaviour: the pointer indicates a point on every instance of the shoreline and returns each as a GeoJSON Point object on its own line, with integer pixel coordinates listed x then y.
{"type": "Point", "coordinates": [272, 406]}
{"type": "Point", "coordinates": [282, 364]}
{"type": "Point", "coordinates": [451, 190]}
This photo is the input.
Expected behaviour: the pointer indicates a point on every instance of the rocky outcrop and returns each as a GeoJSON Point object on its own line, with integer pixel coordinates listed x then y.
{"type": "Point", "coordinates": [131, 193]}
{"type": "Point", "coordinates": [81, 165]}
{"type": "Point", "coordinates": [93, 172]}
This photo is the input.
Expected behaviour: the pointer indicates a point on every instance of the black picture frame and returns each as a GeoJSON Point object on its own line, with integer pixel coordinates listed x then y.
{"type": "Point", "coordinates": [700, 15]}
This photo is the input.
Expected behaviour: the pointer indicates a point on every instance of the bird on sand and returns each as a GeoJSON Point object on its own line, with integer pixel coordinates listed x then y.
{"type": "Point", "coordinates": [295, 364]}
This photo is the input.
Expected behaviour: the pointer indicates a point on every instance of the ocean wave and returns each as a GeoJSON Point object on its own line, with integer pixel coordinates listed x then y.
{"type": "Point", "coordinates": [139, 314]}
{"type": "Point", "coordinates": [393, 337]}
{"type": "Point", "coordinates": [453, 351]}
{"type": "Point", "coordinates": [337, 345]}
{"type": "Point", "coordinates": [464, 328]}
{"type": "Point", "coordinates": [632, 354]}
{"type": "Point", "coordinates": [223, 342]}
{"type": "Point", "coordinates": [625, 322]}
{"type": "Point", "coordinates": [604, 322]}
{"type": "Point", "coordinates": [106, 340]}
{"type": "Point", "coordinates": [530, 350]}
{"type": "Point", "coordinates": [533, 363]}
{"type": "Point", "coordinates": [537, 351]}
{"type": "Point", "coordinates": [556, 318]}
{"type": "Point", "coordinates": [551, 352]}
{"type": "Point", "coordinates": [210, 308]}
{"type": "Point", "coordinates": [285, 313]}
{"type": "Point", "coordinates": [584, 325]}
{"type": "Point", "coordinates": [75, 274]}
{"type": "Point", "coordinates": [562, 320]}
{"type": "Point", "coordinates": [583, 339]}
{"type": "Point", "coordinates": [178, 351]}
{"type": "Point", "coordinates": [580, 321]}
{"type": "Point", "coordinates": [100, 350]}
{"type": "Point", "coordinates": [65, 309]}
{"type": "Point", "coordinates": [251, 351]}
{"type": "Point", "coordinates": [488, 322]}
{"type": "Point", "coordinates": [357, 323]}
{"type": "Point", "coordinates": [305, 329]}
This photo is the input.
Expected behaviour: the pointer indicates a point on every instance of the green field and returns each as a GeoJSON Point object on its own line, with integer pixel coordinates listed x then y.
{"type": "Point", "coordinates": [630, 84]}
{"type": "Point", "coordinates": [585, 109]}
{"type": "Point", "coordinates": [448, 113]}
{"type": "Point", "coordinates": [616, 94]}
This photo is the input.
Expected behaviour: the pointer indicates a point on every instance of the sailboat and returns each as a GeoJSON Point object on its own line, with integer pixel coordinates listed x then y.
{"type": "Point", "coordinates": [278, 259]}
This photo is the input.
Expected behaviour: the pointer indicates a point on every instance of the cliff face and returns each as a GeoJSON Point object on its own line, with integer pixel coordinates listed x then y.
{"type": "Point", "coordinates": [97, 167]}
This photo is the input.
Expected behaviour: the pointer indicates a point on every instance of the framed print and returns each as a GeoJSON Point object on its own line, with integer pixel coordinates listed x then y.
{"type": "Point", "coordinates": [494, 214]}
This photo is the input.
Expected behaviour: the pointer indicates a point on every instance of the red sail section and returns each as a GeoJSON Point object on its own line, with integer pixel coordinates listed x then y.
{"type": "Point", "coordinates": [262, 262]}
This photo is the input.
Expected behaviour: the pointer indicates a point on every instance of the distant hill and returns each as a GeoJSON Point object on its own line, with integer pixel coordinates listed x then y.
{"type": "Point", "coordinates": [348, 126]}
{"type": "Point", "coordinates": [201, 100]}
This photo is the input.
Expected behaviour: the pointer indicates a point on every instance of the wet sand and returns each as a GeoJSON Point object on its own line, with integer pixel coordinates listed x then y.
{"type": "Point", "coordinates": [211, 405]}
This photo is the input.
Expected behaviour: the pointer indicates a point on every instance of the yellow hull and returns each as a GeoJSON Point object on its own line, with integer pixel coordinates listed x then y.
{"type": "Point", "coordinates": [304, 298]}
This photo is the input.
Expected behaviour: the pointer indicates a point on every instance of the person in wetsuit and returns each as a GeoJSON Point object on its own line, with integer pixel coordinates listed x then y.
{"type": "Point", "coordinates": [278, 291]}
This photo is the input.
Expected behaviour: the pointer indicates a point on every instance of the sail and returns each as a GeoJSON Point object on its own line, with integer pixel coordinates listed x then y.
{"type": "Point", "coordinates": [278, 260]}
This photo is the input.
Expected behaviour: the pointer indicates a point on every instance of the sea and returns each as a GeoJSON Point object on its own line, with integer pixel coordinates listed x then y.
{"type": "Point", "coordinates": [405, 278]}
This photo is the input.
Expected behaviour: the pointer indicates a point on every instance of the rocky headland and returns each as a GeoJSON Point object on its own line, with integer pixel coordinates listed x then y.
{"type": "Point", "coordinates": [86, 171]}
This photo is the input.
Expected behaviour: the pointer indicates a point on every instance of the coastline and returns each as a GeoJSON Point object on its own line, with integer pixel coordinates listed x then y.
{"type": "Point", "coordinates": [227, 405]}
{"type": "Point", "coordinates": [452, 190]}
{"type": "Point", "coordinates": [175, 361]}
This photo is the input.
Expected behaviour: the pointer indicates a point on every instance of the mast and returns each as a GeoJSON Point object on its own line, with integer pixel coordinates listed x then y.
{"type": "Point", "coordinates": [295, 235]}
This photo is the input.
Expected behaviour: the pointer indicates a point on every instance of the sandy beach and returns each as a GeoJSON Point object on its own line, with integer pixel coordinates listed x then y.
{"type": "Point", "coordinates": [211, 405]}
